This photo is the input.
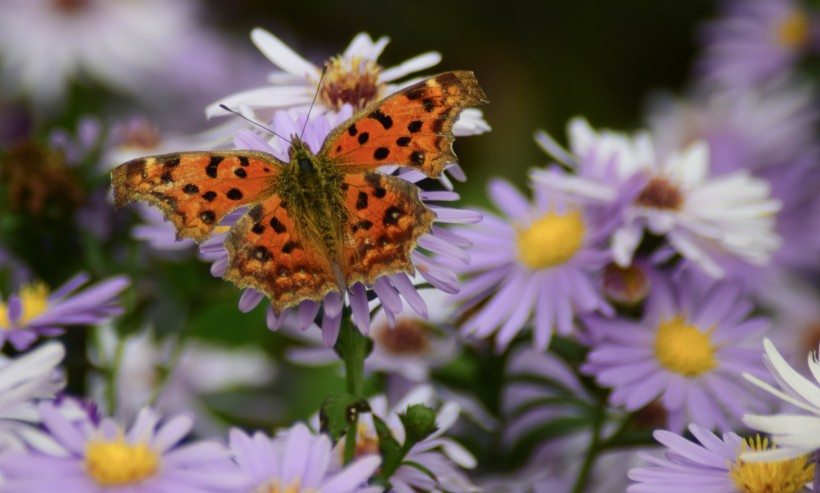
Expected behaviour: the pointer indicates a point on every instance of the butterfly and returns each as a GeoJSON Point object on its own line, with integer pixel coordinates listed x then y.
{"type": "Point", "coordinates": [324, 221]}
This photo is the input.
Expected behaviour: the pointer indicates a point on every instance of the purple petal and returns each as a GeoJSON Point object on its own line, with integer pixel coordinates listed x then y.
{"type": "Point", "coordinates": [70, 286]}
{"type": "Point", "coordinates": [249, 299]}
{"type": "Point", "coordinates": [357, 294]}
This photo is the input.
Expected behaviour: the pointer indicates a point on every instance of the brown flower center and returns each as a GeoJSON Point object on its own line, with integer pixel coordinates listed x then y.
{"type": "Point", "coordinates": [353, 81]}
{"type": "Point", "coordinates": [659, 193]}
{"type": "Point", "coordinates": [408, 338]}
{"type": "Point", "coordinates": [70, 6]}
{"type": "Point", "coordinates": [33, 175]}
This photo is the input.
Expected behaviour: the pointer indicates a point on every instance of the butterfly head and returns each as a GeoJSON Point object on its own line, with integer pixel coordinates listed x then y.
{"type": "Point", "coordinates": [301, 156]}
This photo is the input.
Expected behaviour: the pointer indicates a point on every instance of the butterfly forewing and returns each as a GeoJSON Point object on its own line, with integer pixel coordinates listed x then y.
{"type": "Point", "coordinates": [412, 128]}
{"type": "Point", "coordinates": [195, 190]}
{"type": "Point", "coordinates": [385, 219]}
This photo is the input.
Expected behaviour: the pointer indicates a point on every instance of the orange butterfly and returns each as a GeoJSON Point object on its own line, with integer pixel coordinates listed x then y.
{"type": "Point", "coordinates": [324, 221]}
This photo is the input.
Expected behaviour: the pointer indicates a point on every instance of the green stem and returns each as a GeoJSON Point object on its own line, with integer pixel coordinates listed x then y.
{"type": "Point", "coordinates": [592, 452]}
{"type": "Point", "coordinates": [354, 348]}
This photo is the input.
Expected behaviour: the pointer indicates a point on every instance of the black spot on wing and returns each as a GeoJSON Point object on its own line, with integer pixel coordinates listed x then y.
{"type": "Point", "coordinates": [361, 201]}
{"type": "Point", "coordinates": [209, 196]}
{"type": "Point", "coordinates": [211, 169]}
{"type": "Point", "coordinates": [381, 153]}
{"type": "Point", "coordinates": [385, 120]}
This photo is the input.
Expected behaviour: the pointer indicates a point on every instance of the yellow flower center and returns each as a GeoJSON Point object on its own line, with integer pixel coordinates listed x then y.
{"type": "Point", "coordinates": [354, 81]}
{"type": "Point", "coordinates": [551, 240]}
{"type": "Point", "coordinates": [683, 348]}
{"type": "Point", "coordinates": [786, 476]}
{"type": "Point", "coordinates": [275, 486]}
{"type": "Point", "coordinates": [793, 31]}
{"type": "Point", "coordinates": [118, 463]}
{"type": "Point", "coordinates": [367, 443]}
{"type": "Point", "coordinates": [34, 298]}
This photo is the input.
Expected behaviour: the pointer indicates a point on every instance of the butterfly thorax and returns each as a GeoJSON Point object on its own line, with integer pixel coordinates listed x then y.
{"type": "Point", "coordinates": [311, 190]}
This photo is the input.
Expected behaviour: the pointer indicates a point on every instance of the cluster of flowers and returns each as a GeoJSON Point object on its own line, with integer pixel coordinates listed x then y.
{"type": "Point", "coordinates": [651, 256]}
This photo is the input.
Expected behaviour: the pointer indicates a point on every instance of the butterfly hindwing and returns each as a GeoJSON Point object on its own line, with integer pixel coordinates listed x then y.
{"type": "Point", "coordinates": [412, 128]}
{"type": "Point", "coordinates": [268, 251]}
{"type": "Point", "coordinates": [385, 219]}
{"type": "Point", "coordinates": [195, 190]}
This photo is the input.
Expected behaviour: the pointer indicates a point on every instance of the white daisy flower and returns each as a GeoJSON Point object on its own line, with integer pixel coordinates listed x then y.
{"type": "Point", "coordinates": [148, 370]}
{"type": "Point", "coordinates": [674, 195]}
{"type": "Point", "coordinates": [23, 380]}
{"type": "Point", "coordinates": [45, 44]}
{"type": "Point", "coordinates": [795, 434]}
{"type": "Point", "coordinates": [353, 78]}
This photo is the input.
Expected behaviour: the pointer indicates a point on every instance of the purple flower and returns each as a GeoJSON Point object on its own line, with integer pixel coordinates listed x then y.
{"type": "Point", "coordinates": [391, 288]}
{"type": "Point", "coordinates": [674, 195]}
{"type": "Point", "coordinates": [34, 312]}
{"type": "Point", "coordinates": [104, 457]}
{"type": "Point", "coordinates": [297, 460]}
{"type": "Point", "coordinates": [714, 466]}
{"type": "Point", "coordinates": [771, 133]}
{"type": "Point", "coordinates": [536, 265]}
{"type": "Point", "coordinates": [688, 352]}
{"type": "Point", "coordinates": [755, 42]}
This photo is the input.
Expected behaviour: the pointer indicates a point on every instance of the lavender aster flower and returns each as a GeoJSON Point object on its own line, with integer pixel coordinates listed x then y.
{"type": "Point", "coordinates": [298, 461]}
{"type": "Point", "coordinates": [538, 265]}
{"type": "Point", "coordinates": [390, 288]}
{"type": "Point", "coordinates": [353, 79]}
{"type": "Point", "coordinates": [673, 195]}
{"type": "Point", "coordinates": [771, 133]}
{"type": "Point", "coordinates": [755, 41]}
{"type": "Point", "coordinates": [687, 351]}
{"type": "Point", "coordinates": [33, 311]}
{"type": "Point", "coordinates": [797, 434]}
{"type": "Point", "coordinates": [714, 466]}
{"type": "Point", "coordinates": [23, 380]}
{"type": "Point", "coordinates": [104, 457]}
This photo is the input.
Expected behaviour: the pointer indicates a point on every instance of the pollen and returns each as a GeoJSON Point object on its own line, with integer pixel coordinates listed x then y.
{"type": "Point", "coordinates": [550, 241]}
{"type": "Point", "coordinates": [275, 486]}
{"type": "Point", "coordinates": [33, 297]}
{"type": "Point", "coordinates": [786, 476]}
{"type": "Point", "coordinates": [353, 81]}
{"type": "Point", "coordinates": [794, 30]}
{"type": "Point", "coordinates": [659, 193]}
{"type": "Point", "coordinates": [407, 338]}
{"type": "Point", "coordinates": [683, 348]}
{"type": "Point", "coordinates": [116, 463]}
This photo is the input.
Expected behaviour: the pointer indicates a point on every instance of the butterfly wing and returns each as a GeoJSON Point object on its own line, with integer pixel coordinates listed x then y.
{"type": "Point", "coordinates": [385, 219]}
{"type": "Point", "coordinates": [412, 128]}
{"type": "Point", "coordinates": [195, 190]}
{"type": "Point", "coordinates": [271, 252]}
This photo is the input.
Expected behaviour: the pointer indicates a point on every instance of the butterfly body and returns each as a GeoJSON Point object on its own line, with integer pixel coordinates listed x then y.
{"type": "Point", "coordinates": [321, 222]}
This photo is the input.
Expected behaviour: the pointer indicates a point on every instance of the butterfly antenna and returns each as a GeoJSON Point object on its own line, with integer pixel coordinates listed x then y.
{"type": "Point", "coordinates": [255, 123]}
{"type": "Point", "coordinates": [318, 87]}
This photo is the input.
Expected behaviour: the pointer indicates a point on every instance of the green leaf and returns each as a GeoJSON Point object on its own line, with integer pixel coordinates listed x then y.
{"type": "Point", "coordinates": [338, 412]}
{"type": "Point", "coordinates": [391, 450]}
